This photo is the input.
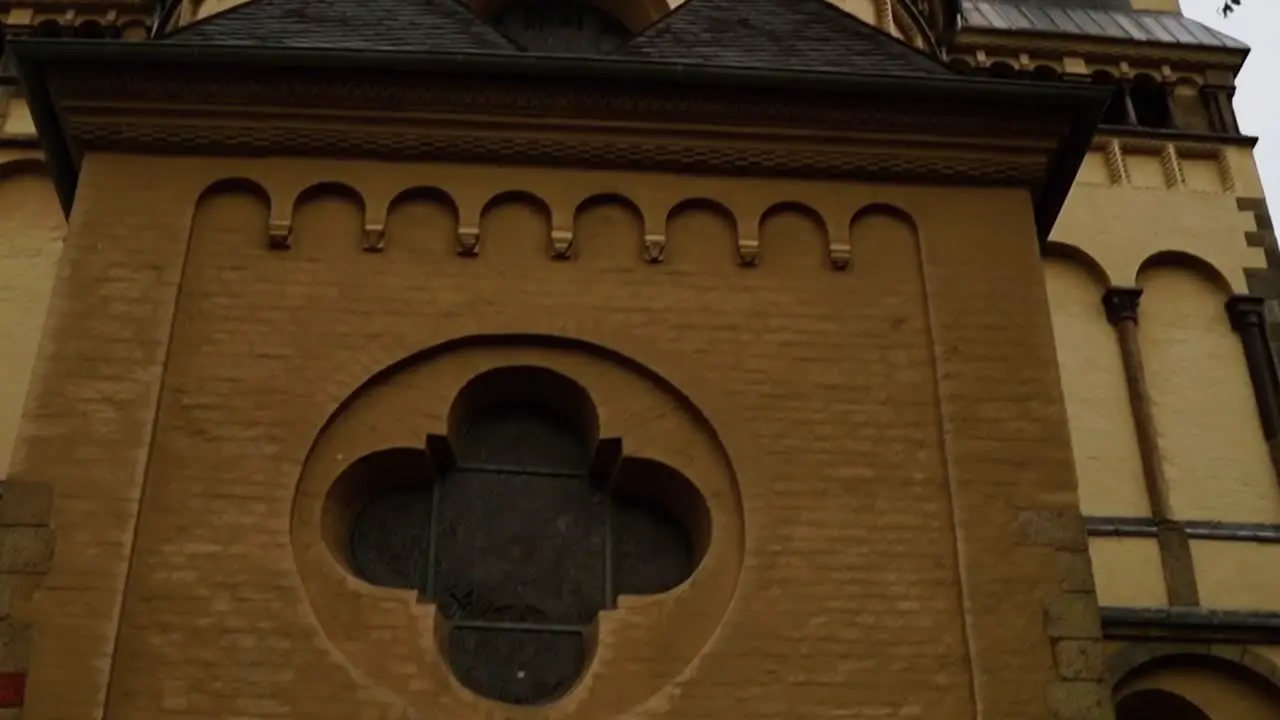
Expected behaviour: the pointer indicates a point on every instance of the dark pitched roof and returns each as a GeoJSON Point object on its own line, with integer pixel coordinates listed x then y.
{"type": "Point", "coordinates": [436, 25]}
{"type": "Point", "coordinates": [779, 35]}
{"type": "Point", "coordinates": [1095, 19]}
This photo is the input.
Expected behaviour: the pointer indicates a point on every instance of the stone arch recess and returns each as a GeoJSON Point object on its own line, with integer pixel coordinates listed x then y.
{"type": "Point", "coordinates": [1079, 257]}
{"type": "Point", "coordinates": [1132, 657]}
{"type": "Point", "coordinates": [1189, 262]}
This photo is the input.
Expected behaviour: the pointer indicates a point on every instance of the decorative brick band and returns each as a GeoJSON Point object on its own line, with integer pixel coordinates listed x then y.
{"type": "Point", "coordinates": [26, 551]}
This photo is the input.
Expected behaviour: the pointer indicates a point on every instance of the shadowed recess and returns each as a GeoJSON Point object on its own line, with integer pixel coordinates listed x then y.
{"type": "Point", "coordinates": [1080, 259]}
{"type": "Point", "coordinates": [423, 222]}
{"type": "Point", "coordinates": [608, 229]}
{"type": "Point", "coordinates": [1158, 705]}
{"type": "Point", "coordinates": [515, 227]}
{"type": "Point", "coordinates": [232, 211]}
{"type": "Point", "coordinates": [702, 232]}
{"type": "Point", "coordinates": [328, 216]}
{"type": "Point", "coordinates": [661, 527]}
{"type": "Point", "coordinates": [498, 401]}
{"type": "Point", "coordinates": [793, 235]}
{"type": "Point", "coordinates": [383, 498]}
{"type": "Point", "coordinates": [1194, 264]}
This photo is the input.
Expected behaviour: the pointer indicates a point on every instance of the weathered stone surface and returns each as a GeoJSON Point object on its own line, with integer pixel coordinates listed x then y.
{"type": "Point", "coordinates": [1073, 615]}
{"type": "Point", "coordinates": [26, 549]}
{"type": "Point", "coordinates": [1080, 659]}
{"type": "Point", "coordinates": [1234, 653]}
{"type": "Point", "coordinates": [1076, 571]}
{"type": "Point", "coordinates": [25, 503]}
{"type": "Point", "coordinates": [15, 646]}
{"type": "Point", "coordinates": [1061, 528]}
{"type": "Point", "coordinates": [1080, 700]}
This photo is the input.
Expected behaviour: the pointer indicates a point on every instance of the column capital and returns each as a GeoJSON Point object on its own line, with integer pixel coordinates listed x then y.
{"type": "Point", "coordinates": [1121, 303]}
{"type": "Point", "coordinates": [1246, 311]}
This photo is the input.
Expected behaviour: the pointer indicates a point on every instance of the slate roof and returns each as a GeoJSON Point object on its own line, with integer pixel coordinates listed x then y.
{"type": "Point", "coordinates": [805, 35]}
{"type": "Point", "coordinates": [1090, 17]}
{"type": "Point", "coordinates": [777, 34]}
{"type": "Point", "coordinates": [437, 25]}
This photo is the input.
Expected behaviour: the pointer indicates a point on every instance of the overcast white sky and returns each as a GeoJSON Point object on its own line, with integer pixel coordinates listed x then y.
{"type": "Point", "coordinates": [1256, 22]}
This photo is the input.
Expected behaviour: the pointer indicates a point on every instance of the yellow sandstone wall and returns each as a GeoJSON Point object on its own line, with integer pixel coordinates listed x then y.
{"type": "Point", "coordinates": [1164, 217]}
{"type": "Point", "coordinates": [878, 466]}
{"type": "Point", "coordinates": [31, 233]}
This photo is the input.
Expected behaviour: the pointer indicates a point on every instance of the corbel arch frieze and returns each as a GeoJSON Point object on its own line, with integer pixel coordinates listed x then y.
{"type": "Point", "coordinates": [815, 222]}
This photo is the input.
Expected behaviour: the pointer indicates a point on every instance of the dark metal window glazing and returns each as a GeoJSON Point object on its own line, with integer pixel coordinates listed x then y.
{"type": "Point", "coordinates": [520, 542]}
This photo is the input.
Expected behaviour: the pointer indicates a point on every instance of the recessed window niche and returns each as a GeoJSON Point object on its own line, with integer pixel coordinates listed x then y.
{"type": "Point", "coordinates": [521, 525]}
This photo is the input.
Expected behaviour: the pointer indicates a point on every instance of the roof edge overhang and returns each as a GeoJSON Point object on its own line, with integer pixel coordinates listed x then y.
{"type": "Point", "coordinates": [981, 38]}
{"type": "Point", "coordinates": [1074, 109]}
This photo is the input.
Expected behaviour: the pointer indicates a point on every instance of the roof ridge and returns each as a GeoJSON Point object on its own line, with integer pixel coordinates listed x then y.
{"type": "Point", "coordinates": [797, 34]}
{"type": "Point", "coordinates": [201, 21]}
{"type": "Point", "coordinates": [400, 25]}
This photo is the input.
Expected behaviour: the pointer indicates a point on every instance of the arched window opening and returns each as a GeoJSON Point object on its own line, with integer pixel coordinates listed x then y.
{"type": "Point", "coordinates": [1191, 108]}
{"type": "Point", "coordinates": [522, 527]}
{"type": "Point", "coordinates": [382, 494]}
{"type": "Point", "coordinates": [1151, 103]}
{"type": "Point", "coordinates": [1118, 109]}
{"type": "Point", "coordinates": [90, 29]}
{"type": "Point", "coordinates": [1046, 73]}
{"type": "Point", "coordinates": [1002, 70]}
{"type": "Point", "coordinates": [1158, 704]}
{"type": "Point", "coordinates": [561, 27]}
{"type": "Point", "coordinates": [49, 29]}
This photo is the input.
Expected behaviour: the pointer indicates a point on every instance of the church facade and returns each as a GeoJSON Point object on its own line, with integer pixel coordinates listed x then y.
{"type": "Point", "coordinates": [590, 359]}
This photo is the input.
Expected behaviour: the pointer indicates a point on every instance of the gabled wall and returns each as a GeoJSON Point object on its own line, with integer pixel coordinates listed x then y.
{"type": "Point", "coordinates": [876, 361]}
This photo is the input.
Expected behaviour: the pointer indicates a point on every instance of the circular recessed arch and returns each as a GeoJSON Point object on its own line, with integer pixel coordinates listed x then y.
{"type": "Point", "coordinates": [687, 476]}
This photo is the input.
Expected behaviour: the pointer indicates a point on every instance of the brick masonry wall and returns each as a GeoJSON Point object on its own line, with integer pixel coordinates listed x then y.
{"type": "Point", "coordinates": [913, 541]}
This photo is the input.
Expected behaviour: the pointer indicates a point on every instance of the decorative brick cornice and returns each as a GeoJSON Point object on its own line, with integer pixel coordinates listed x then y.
{"type": "Point", "coordinates": [685, 129]}
{"type": "Point", "coordinates": [404, 95]}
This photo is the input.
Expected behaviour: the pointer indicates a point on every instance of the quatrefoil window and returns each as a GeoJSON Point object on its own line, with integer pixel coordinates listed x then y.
{"type": "Point", "coordinates": [522, 526]}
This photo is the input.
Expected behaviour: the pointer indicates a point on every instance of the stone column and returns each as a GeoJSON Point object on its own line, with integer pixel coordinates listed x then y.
{"type": "Point", "coordinates": [1249, 320]}
{"type": "Point", "coordinates": [1121, 304]}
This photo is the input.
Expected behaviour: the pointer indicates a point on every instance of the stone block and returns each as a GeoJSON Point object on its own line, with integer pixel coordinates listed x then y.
{"type": "Point", "coordinates": [1076, 572]}
{"type": "Point", "coordinates": [1080, 659]}
{"type": "Point", "coordinates": [15, 646]}
{"type": "Point", "coordinates": [1073, 615]}
{"type": "Point", "coordinates": [1262, 665]}
{"type": "Point", "coordinates": [26, 549]}
{"type": "Point", "coordinates": [1234, 653]}
{"type": "Point", "coordinates": [1080, 700]}
{"type": "Point", "coordinates": [1060, 528]}
{"type": "Point", "coordinates": [25, 503]}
